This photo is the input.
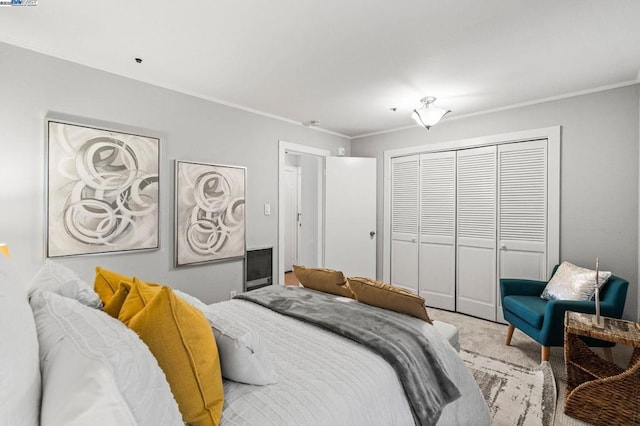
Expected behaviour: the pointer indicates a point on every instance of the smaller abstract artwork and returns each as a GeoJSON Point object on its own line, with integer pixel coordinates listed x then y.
{"type": "Point", "coordinates": [102, 191]}
{"type": "Point", "coordinates": [210, 212]}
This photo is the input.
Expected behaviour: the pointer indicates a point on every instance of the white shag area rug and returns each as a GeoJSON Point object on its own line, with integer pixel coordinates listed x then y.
{"type": "Point", "coordinates": [516, 395]}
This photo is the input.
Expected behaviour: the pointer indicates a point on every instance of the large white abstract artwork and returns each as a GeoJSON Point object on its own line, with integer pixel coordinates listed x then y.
{"type": "Point", "coordinates": [102, 191]}
{"type": "Point", "coordinates": [209, 212]}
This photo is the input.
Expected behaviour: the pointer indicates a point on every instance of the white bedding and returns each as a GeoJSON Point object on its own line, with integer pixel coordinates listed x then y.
{"type": "Point", "coordinates": [325, 379]}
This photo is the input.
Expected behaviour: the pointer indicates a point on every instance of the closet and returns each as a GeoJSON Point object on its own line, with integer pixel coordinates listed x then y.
{"type": "Point", "coordinates": [463, 218]}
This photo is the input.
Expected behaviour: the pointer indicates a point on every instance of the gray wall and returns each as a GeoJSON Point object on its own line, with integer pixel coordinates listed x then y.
{"type": "Point", "coordinates": [33, 85]}
{"type": "Point", "coordinates": [599, 172]}
{"type": "Point", "coordinates": [600, 141]}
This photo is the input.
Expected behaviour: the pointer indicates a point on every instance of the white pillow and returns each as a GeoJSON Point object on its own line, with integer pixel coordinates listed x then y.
{"type": "Point", "coordinates": [95, 370]}
{"type": "Point", "coordinates": [244, 357]}
{"type": "Point", "coordinates": [192, 300]}
{"type": "Point", "coordinates": [61, 280]}
{"type": "Point", "coordinates": [19, 363]}
{"type": "Point", "coordinates": [571, 282]}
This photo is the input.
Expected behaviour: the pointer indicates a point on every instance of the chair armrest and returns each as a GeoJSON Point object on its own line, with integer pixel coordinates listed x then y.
{"type": "Point", "coordinates": [553, 325]}
{"type": "Point", "coordinates": [556, 308]}
{"type": "Point", "coordinates": [614, 296]}
{"type": "Point", "coordinates": [520, 287]}
{"type": "Point", "coordinates": [609, 309]}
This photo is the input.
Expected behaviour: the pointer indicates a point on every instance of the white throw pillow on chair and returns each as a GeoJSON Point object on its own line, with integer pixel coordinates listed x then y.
{"type": "Point", "coordinates": [571, 282]}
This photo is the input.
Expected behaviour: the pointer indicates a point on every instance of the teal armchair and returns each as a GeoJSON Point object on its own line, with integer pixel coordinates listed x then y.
{"type": "Point", "coordinates": [543, 320]}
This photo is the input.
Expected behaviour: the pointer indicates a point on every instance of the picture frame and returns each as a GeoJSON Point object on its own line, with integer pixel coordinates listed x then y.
{"type": "Point", "coordinates": [210, 217]}
{"type": "Point", "coordinates": [102, 190]}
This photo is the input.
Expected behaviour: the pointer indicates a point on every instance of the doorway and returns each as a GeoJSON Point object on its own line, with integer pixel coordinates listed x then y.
{"type": "Point", "coordinates": [292, 177]}
{"type": "Point", "coordinates": [309, 221]}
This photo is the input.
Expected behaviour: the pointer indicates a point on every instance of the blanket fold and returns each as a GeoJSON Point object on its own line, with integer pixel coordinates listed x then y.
{"type": "Point", "coordinates": [425, 381]}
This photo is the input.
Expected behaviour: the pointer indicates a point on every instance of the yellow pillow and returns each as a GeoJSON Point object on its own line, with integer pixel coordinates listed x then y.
{"type": "Point", "coordinates": [107, 283]}
{"type": "Point", "coordinates": [140, 294]}
{"type": "Point", "coordinates": [182, 341]}
{"type": "Point", "coordinates": [389, 297]}
{"type": "Point", "coordinates": [326, 280]}
{"type": "Point", "coordinates": [114, 305]}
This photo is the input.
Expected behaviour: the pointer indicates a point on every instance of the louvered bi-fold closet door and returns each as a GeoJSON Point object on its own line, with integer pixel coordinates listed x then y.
{"type": "Point", "coordinates": [438, 229]}
{"type": "Point", "coordinates": [522, 211]}
{"type": "Point", "coordinates": [404, 221]}
{"type": "Point", "coordinates": [476, 227]}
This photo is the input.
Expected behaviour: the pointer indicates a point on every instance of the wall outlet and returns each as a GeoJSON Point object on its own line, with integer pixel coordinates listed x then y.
{"type": "Point", "coordinates": [267, 209]}
{"type": "Point", "coordinates": [232, 294]}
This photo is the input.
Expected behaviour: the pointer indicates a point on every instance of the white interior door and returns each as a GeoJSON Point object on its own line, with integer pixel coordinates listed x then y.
{"type": "Point", "coordinates": [350, 215]}
{"type": "Point", "coordinates": [291, 178]}
{"type": "Point", "coordinates": [438, 229]}
{"type": "Point", "coordinates": [476, 226]}
{"type": "Point", "coordinates": [404, 222]}
{"type": "Point", "coordinates": [522, 212]}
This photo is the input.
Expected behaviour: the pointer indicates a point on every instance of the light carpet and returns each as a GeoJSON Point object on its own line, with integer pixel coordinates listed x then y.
{"type": "Point", "coordinates": [516, 395]}
{"type": "Point", "coordinates": [487, 338]}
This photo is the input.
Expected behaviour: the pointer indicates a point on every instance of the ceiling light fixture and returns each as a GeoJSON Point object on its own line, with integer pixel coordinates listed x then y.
{"type": "Point", "coordinates": [428, 114]}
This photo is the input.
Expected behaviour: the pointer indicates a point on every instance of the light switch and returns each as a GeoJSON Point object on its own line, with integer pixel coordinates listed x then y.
{"type": "Point", "coordinates": [267, 209]}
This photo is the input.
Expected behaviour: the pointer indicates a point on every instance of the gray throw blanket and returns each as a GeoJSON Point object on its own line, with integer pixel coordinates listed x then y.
{"type": "Point", "coordinates": [426, 384]}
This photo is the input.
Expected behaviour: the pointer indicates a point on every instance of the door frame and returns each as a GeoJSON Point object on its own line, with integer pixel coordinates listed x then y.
{"type": "Point", "coordinates": [552, 134]}
{"type": "Point", "coordinates": [285, 148]}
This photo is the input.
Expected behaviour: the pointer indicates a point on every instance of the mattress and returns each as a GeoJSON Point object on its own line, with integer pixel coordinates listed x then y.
{"type": "Point", "coordinates": [449, 332]}
{"type": "Point", "coordinates": [325, 379]}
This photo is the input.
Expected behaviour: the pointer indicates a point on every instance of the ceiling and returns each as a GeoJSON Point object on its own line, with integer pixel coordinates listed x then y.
{"type": "Point", "coordinates": [345, 63]}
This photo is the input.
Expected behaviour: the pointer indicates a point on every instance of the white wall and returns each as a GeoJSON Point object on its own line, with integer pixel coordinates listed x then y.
{"type": "Point", "coordinates": [32, 85]}
{"type": "Point", "coordinates": [599, 172]}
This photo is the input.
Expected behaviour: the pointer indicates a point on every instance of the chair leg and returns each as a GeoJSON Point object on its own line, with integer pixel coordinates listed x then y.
{"type": "Point", "coordinates": [509, 334]}
{"type": "Point", "coordinates": [608, 354]}
{"type": "Point", "coordinates": [544, 354]}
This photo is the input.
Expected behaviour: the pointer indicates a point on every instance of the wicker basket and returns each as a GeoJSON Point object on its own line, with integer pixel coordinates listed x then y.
{"type": "Point", "coordinates": [599, 391]}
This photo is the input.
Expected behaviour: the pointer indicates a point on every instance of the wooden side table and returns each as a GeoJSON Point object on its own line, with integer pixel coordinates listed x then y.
{"type": "Point", "coordinates": [599, 391]}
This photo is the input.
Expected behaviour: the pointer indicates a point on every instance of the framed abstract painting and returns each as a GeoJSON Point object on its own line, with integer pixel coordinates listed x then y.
{"type": "Point", "coordinates": [102, 190]}
{"type": "Point", "coordinates": [210, 216]}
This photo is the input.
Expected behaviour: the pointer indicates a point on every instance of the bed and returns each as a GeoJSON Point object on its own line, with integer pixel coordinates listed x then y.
{"type": "Point", "coordinates": [321, 378]}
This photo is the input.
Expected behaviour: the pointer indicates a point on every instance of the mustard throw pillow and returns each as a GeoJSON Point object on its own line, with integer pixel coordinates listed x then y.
{"type": "Point", "coordinates": [114, 305]}
{"type": "Point", "coordinates": [326, 280]}
{"type": "Point", "coordinates": [140, 294]}
{"type": "Point", "coordinates": [107, 282]}
{"type": "Point", "coordinates": [182, 341]}
{"type": "Point", "coordinates": [387, 296]}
